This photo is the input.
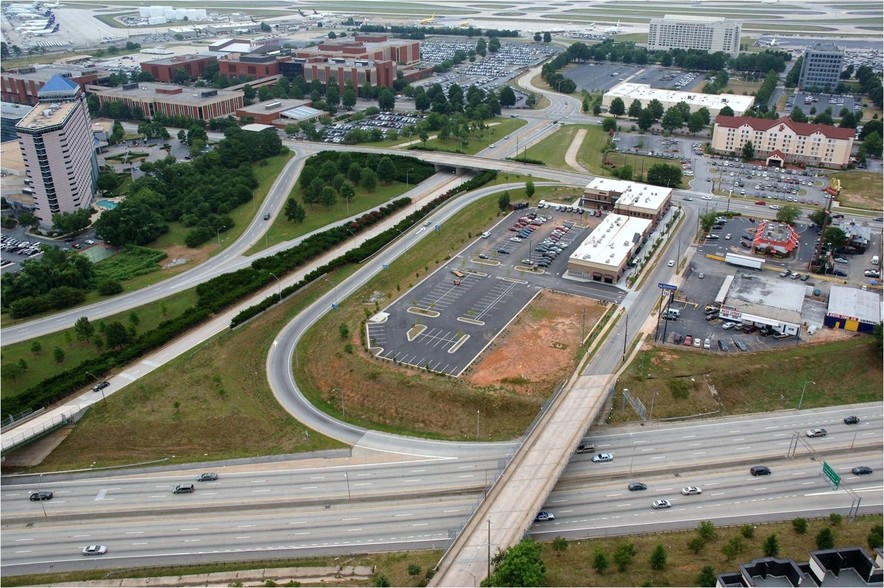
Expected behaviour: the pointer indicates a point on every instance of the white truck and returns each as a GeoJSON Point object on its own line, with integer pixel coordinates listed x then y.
{"type": "Point", "coordinates": [744, 261]}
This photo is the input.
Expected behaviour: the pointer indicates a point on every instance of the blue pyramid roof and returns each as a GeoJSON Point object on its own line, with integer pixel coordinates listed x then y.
{"type": "Point", "coordinates": [58, 84]}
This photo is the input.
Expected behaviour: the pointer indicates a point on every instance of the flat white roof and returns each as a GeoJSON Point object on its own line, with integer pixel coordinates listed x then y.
{"type": "Point", "coordinates": [608, 185]}
{"type": "Point", "coordinates": [853, 303]}
{"type": "Point", "coordinates": [256, 127]}
{"type": "Point", "coordinates": [644, 196]}
{"type": "Point", "coordinates": [611, 241]}
{"type": "Point", "coordinates": [757, 294]}
{"type": "Point", "coordinates": [629, 91]}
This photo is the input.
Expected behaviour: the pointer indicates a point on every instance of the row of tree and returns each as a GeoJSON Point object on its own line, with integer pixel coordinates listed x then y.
{"type": "Point", "coordinates": [670, 119]}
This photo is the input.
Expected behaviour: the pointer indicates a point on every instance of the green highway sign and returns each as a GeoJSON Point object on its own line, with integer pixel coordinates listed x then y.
{"type": "Point", "coordinates": [830, 473]}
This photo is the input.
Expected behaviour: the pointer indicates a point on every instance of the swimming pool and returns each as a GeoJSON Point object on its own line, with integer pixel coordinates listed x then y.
{"type": "Point", "coordinates": [108, 204]}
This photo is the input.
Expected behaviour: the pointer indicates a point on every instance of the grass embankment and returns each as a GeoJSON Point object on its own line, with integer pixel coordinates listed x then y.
{"type": "Point", "coordinates": [860, 188]}
{"type": "Point", "coordinates": [495, 129]}
{"type": "Point", "coordinates": [689, 382]}
{"type": "Point", "coordinates": [573, 566]}
{"type": "Point", "coordinates": [382, 396]}
{"type": "Point", "coordinates": [211, 403]}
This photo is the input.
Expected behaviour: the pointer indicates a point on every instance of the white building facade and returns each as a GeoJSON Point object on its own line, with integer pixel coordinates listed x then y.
{"type": "Point", "coordinates": [695, 32]}
{"type": "Point", "coordinates": [58, 150]}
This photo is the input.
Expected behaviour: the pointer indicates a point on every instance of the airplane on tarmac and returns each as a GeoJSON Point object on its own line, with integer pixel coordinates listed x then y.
{"type": "Point", "coordinates": [614, 29]}
{"type": "Point", "coordinates": [772, 43]}
{"type": "Point", "coordinates": [429, 19]}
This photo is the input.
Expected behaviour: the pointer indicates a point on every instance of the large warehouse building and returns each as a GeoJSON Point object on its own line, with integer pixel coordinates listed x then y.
{"type": "Point", "coordinates": [644, 93]}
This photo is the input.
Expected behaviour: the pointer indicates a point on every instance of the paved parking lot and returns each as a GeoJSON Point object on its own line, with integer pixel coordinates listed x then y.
{"type": "Point", "coordinates": [447, 320]}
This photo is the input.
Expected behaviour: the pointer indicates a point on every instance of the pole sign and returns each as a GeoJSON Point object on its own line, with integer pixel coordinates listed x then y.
{"type": "Point", "coordinates": [830, 473]}
{"type": "Point", "coordinates": [670, 287]}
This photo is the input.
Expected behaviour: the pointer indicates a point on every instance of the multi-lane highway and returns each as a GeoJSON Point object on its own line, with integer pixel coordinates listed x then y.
{"type": "Point", "coordinates": [293, 509]}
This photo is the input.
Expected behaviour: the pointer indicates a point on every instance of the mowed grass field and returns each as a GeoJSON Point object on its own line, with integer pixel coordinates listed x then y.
{"type": "Point", "coordinates": [861, 189]}
{"type": "Point", "coordinates": [689, 382]}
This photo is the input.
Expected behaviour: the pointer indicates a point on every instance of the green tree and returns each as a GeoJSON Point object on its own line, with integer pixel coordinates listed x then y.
{"type": "Point", "coordinates": [617, 108]}
{"type": "Point", "coordinates": [71, 222]}
{"type": "Point", "coordinates": [328, 196]}
{"type": "Point", "coordinates": [294, 211]}
{"type": "Point", "coordinates": [733, 547]}
{"type": "Point", "coordinates": [656, 108]}
{"type": "Point", "coordinates": [872, 145]}
{"type": "Point", "coordinates": [658, 558]}
{"type": "Point", "coordinates": [623, 555]}
{"type": "Point", "coordinates": [116, 335]}
{"type": "Point", "coordinates": [645, 119]}
{"type": "Point", "coordinates": [386, 170]}
{"type": "Point", "coordinates": [696, 545]}
{"type": "Point", "coordinates": [600, 562]}
{"type": "Point", "coordinates": [386, 100]}
{"type": "Point", "coordinates": [819, 217]}
{"type": "Point", "coordinates": [706, 529]}
{"type": "Point", "coordinates": [635, 108]}
{"type": "Point", "coordinates": [348, 98]}
{"type": "Point", "coordinates": [529, 188]}
{"type": "Point", "coordinates": [108, 181]}
{"type": "Point", "coordinates": [609, 123]}
{"type": "Point", "coordinates": [726, 111]}
{"type": "Point", "coordinates": [673, 119]}
{"type": "Point", "coordinates": [503, 201]}
{"type": "Point", "coordinates": [789, 213]}
{"type": "Point", "coordinates": [560, 545]}
{"type": "Point", "coordinates": [58, 354]}
{"type": "Point", "coordinates": [800, 525]}
{"type": "Point", "coordinates": [771, 546]}
{"type": "Point", "coordinates": [825, 539]}
{"type": "Point", "coordinates": [876, 535]}
{"type": "Point", "coordinates": [520, 565]}
{"type": "Point", "coordinates": [369, 180]}
{"type": "Point", "coordinates": [84, 329]}
{"type": "Point", "coordinates": [36, 347]}
{"type": "Point", "coordinates": [748, 151]}
{"type": "Point", "coordinates": [696, 122]}
{"type": "Point", "coordinates": [547, 37]}
{"type": "Point", "coordinates": [707, 577]}
{"type": "Point", "coordinates": [507, 97]}
{"type": "Point", "coordinates": [661, 174]}
{"type": "Point", "coordinates": [798, 115]}
{"type": "Point", "coordinates": [347, 191]}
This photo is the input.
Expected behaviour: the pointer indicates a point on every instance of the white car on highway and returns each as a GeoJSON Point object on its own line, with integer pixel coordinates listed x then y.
{"type": "Point", "coordinates": [603, 457]}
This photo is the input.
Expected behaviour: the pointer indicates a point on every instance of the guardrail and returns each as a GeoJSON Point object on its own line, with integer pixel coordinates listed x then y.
{"type": "Point", "coordinates": [11, 441]}
{"type": "Point", "coordinates": [23, 417]}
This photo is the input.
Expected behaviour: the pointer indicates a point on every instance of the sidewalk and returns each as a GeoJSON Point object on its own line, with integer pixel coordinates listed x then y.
{"type": "Point", "coordinates": [329, 575]}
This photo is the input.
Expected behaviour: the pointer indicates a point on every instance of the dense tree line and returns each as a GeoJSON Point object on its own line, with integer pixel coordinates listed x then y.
{"type": "Point", "coordinates": [58, 280]}
{"type": "Point", "coordinates": [199, 195]}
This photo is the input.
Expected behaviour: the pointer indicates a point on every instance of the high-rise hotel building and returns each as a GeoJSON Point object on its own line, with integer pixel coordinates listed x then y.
{"type": "Point", "coordinates": [58, 150]}
{"type": "Point", "coordinates": [695, 32]}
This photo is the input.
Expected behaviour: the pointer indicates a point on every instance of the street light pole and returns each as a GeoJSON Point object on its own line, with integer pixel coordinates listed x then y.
{"type": "Point", "coordinates": [477, 425]}
{"type": "Point", "coordinates": [218, 233]}
{"type": "Point", "coordinates": [278, 286]}
{"type": "Point", "coordinates": [102, 390]}
{"type": "Point", "coordinates": [803, 389]}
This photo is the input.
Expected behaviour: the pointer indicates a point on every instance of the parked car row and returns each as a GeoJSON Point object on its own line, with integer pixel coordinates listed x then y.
{"type": "Point", "coordinates": [13, 245]}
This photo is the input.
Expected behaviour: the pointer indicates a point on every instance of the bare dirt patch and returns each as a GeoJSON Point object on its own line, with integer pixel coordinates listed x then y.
{"type": "Point", "coordinates": [539, 348]}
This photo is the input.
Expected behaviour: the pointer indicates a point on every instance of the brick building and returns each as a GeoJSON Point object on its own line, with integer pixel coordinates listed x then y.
{"type": "Point", "coordinates": [402, 52]}
{"type": "Point", "coordinates": [250, 65]}
{"type": "Point", "coordinates": [152, 98]}
{"type": "Point", "coordinates": [163, 70]}
{"type": "Point", "coordinates": [22, 85]}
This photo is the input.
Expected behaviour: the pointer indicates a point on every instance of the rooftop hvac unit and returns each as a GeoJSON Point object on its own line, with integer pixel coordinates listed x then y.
{"type": "Point", "coordinates": [272, 105]}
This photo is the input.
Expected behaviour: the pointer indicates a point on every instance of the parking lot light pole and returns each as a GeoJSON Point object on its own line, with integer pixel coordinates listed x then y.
{"type": "Point", "coordinates": [803, 389]}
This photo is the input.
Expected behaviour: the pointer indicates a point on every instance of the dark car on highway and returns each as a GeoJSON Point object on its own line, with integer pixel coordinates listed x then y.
{"type": "Point", "coordinates": [861, 471]}
{"type": "Point", "coordinates": [101, 386]}
{"type": "Point", "coordinates": [635, 486]}
{"type": "Point", "coordinates": [40, 495]}
{"type": "Point", "coordinates": [207, 477]}
{"type": "Point", "coordinates": [851, 420]}
{"type": "Point", "coordinates": [760, 471]}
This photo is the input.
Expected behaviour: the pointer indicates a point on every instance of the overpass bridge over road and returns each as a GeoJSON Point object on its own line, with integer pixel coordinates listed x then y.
{"type": "Point", "coordinates": [510, 507]}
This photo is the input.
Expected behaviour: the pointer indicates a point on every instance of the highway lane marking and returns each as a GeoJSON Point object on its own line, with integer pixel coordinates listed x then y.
{"type": "Point", "coordinates": [717, 494]}
{"type": "Point", "coordinates": [158, 496]}
{"type": "Point", "coordinates": [25, 551]}
{"type": "Point", "coordinates": [613, 495]}
{"type": "Point", "coordinates": [139, 543]}
{"type": "Point", "coordinates": [557, 500]}
{"type": "Point", "coordinates": [261, 490]}
{"type": "Point", "coordinates": [740, 439]}
{"type": "Point", "coordinates": [309, 487]}
{"type": "Point", "coordinates": [807, 483]}
{"type": "Point", "coordinates": [444, 511]}
{"type": "Point", "coordinates": [362, 484]}
{"type": "Point", "coordinates": [467, 476]}
{"type": "Point", "coordinates": [257, 481]}
{"type": "Point", "coordinates": [243, 537]}
{"type": "Point", "coordinates": [694, 444]}
{"type": "Point", "coordinates": [659, 457]}
{"type": "Point", "coordinates": [743, 448]}
{"type": "Point", "coordinates": [420, 524]}
{"type": "Point", "coordinates": [31, 539]}
{"type": "Point", "coordinates": [353, 530]}
{"type": "Point", "coordinates": [699, 453]}
{"type": "Point", "coordinates": [192, 540]}
{"type": "Point", "coordinates": [190, 529]}
{"type": "Point", "coordinates": [466, 467]}
{"type": "Point", "coordinates": [689, 437]}
{"type": "Point", "coordinates": [81, 535]}
{"type": "Point", "coordinates": [302, 533]}
{"type": "Point", "coordinates": [317, 477]}
{"type": "Point", "coordinates": [101, 494]}
{"type": "Point", "coordinates": [244, 526]}
{"type": "Point", "coordinates": [407, 514]}
{"type": "Point", "coordinates": [411, 481]}
{"type": "Point", "coordinates": [352, 519]}
{"type": "Point", "coordinates": [797, 474]}
{"type": "Point", "coordinates": [298, 523]}
{"type": "Point", "coordinates": [134, 532]}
